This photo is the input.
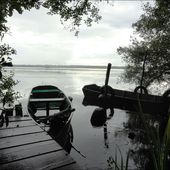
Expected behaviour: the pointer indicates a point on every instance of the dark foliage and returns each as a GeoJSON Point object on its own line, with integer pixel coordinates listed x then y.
{"type": "Point", "coordinates": [153, 27]}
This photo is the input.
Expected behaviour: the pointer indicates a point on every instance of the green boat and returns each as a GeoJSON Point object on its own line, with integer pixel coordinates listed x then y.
{"type": "Point", "coordinates": [48, 103]}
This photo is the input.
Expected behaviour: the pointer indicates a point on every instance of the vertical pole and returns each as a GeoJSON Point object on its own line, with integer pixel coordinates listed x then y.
{"type": "Point", "coordinates": [143, 72]}
{"type": "Point", "coordinates": [107, 77]}
{"type": "Point", "coordinates": [47, 107]}
{"type": "Point", "coordinates": [106, 87]}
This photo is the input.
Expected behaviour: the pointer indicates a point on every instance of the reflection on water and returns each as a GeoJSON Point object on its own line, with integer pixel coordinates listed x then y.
{"type": "Point", "coordinates": [141, 143]}
{"type": "Point", "coordinates": [62, 133]}
{"type": "Point", "coordinates": [100, 118]}
{"type": "Point", "coordinates": [123, 130]}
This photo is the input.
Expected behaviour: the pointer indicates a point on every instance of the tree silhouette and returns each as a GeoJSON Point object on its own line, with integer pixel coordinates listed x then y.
{"type": "Point", "coordinates": [153, 48]}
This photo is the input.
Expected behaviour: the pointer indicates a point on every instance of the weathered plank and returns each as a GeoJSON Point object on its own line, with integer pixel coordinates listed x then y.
{"type": "Point", "coordinates": [15, 124]}
{"type": "Point", "coordinates": [19, 118]}
{"type": "Point", "coordinates": [25, 146]}
{"type": "Point", "coordinates": [72, 166]}
{"type": "Point", "coordinates": [19, 131]}
{"type": "Point", "coordinates": [16, 141]}
{"type": "Point", "coordinates": [27, 151]}
{"type": "Point", "coordinates": [17, 121]}
{"type": "Point", "coordinates": [47, 161]}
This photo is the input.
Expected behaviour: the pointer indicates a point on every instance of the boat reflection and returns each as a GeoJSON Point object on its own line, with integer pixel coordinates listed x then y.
{"type": "Point", "coordinates": [62, 133]}
{"type": "Point", "coordinates": [99, 118]}
{"type": "Point", "coordinates": [135, 133]}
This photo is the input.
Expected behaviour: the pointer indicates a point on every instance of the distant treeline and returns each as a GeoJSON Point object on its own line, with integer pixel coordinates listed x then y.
{"type": "Point", "coordinates": [71, 66]}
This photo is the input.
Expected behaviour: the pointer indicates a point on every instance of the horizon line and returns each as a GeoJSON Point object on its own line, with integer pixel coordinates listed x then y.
{"type": "Point", "coordinates": [66, 65]}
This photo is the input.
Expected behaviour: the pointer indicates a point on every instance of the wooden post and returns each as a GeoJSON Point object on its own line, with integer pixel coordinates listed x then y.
{"type": "Point", "coordinates": [47, 109]}
{"type": "Point", "coordinates": [143, 72]}
{"type": "Point", "coordinates": [107, 77]}
{"type": "Point", "coordinates": [106, 88]}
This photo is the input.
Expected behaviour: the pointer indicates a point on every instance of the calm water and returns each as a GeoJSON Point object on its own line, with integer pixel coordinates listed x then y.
{"type": "Point", "coordinates": [88, 140]}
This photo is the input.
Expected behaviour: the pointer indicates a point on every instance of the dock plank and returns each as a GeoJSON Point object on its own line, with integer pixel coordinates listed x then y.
{"type": "Point", "coordinates": [23, 152]}
{"type": "Point", "coordinates": [15, 141]}
{"type": "Point", "coordinates": [48, 161]}
{"type": "Point", "coordinates": [19, 118]}
{"type": "Point", "coordinates": [25, 146]}
{"type": "Point", "coordinates": [18, 121]}
{"type": "Point", "coordinates": [70, 167]}
{"type": "Point", "coordinates": [15, 124]}
{"type": "Point", "coordinates": [19, 131]}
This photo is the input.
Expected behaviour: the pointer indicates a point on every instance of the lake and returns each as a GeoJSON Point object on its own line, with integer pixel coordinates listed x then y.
{"type": "Point", "coordinates": [96, 144]}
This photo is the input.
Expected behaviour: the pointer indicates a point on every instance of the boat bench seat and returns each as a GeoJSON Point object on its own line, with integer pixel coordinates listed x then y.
{"type": "Point", "coordinates": [46, 99]}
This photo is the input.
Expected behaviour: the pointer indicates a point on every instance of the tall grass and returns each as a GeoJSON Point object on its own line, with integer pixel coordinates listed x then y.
{"type": "Point", "coordinates": [113, 163]}
{"type": "Point", "coordinates": [159, 147]}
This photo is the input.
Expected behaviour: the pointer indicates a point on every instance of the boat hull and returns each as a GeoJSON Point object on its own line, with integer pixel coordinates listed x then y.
{"type": "Point", "coordinates": [125, 100]}
{"type": "Point", "coordinates": [47, 103]}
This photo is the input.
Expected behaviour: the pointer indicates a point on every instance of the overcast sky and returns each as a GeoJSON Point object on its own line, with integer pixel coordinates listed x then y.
{"type": "Point", "coordinates": [41, 39]}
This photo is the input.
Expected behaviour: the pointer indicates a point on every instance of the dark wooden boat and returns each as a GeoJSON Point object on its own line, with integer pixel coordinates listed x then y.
{"type": "Point", "coordinates": [126, 100]}
{"type": "Point", "coordinates": [48, 103]}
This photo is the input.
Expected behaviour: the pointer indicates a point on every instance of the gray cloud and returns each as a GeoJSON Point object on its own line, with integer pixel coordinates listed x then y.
{"type": "Point", "coordinates": [122, 13]}
{"type": "Point", "coordinates": [41, 39]}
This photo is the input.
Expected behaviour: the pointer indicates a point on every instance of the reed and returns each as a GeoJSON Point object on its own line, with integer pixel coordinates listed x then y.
{"type": "Point", "coordinates": [117, 163]}
{"type": "Point", "coordinates": [159, 147]}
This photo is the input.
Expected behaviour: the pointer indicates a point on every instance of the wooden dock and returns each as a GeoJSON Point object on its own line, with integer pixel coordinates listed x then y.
{"type": "Point", "coordinates": [25, 146]}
